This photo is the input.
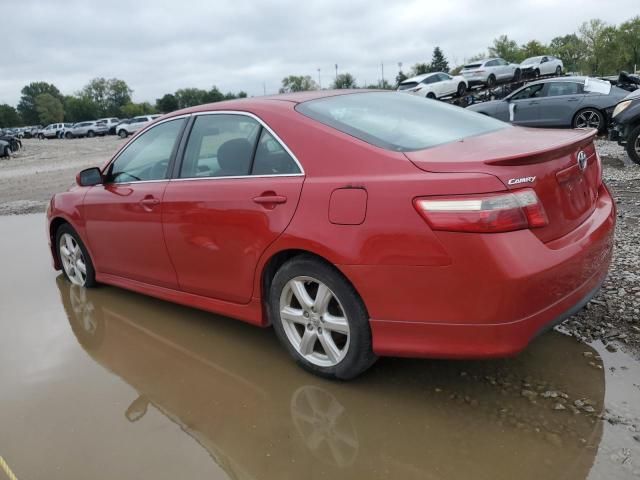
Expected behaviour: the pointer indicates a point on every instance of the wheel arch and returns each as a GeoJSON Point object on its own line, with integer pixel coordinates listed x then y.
{"type": "Point", "coordinates": [54, 225]}
{"type": "Point", "coordinates": [277, 259]}
{"type": "Point", "coordinates": [591, 107]}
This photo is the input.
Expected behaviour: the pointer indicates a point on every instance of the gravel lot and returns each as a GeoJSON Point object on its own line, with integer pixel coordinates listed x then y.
{"type": "Point", "coordinates": [612, 317]}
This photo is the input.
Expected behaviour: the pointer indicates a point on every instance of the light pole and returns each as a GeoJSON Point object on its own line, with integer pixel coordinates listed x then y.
{"type": "Point", "coordinates": [319, 82]}
{"type": "Point", "coordinates": [336, 72]}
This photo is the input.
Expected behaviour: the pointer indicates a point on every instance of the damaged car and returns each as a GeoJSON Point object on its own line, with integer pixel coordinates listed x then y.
{"type": "Point", "coordinates": [626, 125]}
{"type": "Point", "coordinates": [570, 102]}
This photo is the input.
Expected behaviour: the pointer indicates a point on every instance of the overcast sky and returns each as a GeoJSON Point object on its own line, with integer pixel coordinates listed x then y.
{"type": "Point", "coordinates": [159, 46]}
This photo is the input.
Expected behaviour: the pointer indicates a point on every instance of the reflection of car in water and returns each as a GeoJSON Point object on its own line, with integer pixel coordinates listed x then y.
{"type": "Point", "coordinates": [230, 388]}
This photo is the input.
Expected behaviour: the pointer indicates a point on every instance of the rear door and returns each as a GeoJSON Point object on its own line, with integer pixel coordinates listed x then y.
{"type": "Point", "coordinates": [237, 189]}
{"type": "Point", "coordinates": [559, 102]}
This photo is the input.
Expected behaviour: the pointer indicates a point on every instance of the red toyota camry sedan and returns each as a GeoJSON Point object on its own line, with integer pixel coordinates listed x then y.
{"type": "Point", "coordinates": [358, 224]}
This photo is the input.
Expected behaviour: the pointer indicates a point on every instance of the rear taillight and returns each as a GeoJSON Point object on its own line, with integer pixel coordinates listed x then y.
{"type": "Point", "coordinates": [486, 213]}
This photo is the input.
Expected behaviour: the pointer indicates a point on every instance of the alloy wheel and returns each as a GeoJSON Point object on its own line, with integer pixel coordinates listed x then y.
{"type": "Point", "coordinates": [588, 119]}
{"type": "Point", "coordinates": [73, 260]}
{"type": "Point", "coordinates": [637, 145]}
{"type": "Point", "coordinates": [314, 321]}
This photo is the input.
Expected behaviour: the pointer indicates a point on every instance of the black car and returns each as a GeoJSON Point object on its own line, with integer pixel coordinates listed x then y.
{"type": "Point", "coordinates": [626, 125]}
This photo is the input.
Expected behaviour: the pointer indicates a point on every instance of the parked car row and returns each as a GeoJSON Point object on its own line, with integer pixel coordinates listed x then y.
{"type": "Point", "coordinates": [88, 128]}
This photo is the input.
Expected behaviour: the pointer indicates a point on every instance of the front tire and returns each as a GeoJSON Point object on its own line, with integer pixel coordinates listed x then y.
{"type": "Point", "coordinates": [431, 95]}
{"type": "Point", "coordinates": [516, 75]}
{"type": "Point", "coordinates": [633, 145]}
{"type": "Point", "coordinates": [76, 262]}
{"type": "Point", "coordinates": [558, 71]}
{"type": "Point", "coordinates": [122, 133]}
{"type": "Point", "coordinates": [491, 81]}
{"type": "Point", "coordinates": [7, 151]}
{"type": "Point", "coordinates": [68, 135]}
{"type": "Point", "coordinates": [462, 89]}
{"type": "Point", "coordinates": [91, 134]}
{"type": "Point", "coordinates": [320, 319]}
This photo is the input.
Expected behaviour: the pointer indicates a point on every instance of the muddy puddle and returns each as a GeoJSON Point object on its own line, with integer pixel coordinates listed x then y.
{"type": "Point", "coordinates": [103, 384]}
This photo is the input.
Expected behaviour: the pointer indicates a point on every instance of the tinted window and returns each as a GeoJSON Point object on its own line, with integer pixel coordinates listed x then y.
{"type": "Point", "coordinates": [431, 79]}
{"type": "Point", "coordinates": [533, 91]}
{"type": "Point", "coordinates": [407, 85]}
{"type": "Point", "coordinates": [148, 156]}
{"type": "Point", "coordinates": [556, 89]}
{"type": "Point", "coordinates": [271, 158]}
{"type": "Point", "coordinates": [220, 146]}
{"type": "Point", "coordinates": [397, 121]}
{"type": "Point", "coordinates": [491, 63]}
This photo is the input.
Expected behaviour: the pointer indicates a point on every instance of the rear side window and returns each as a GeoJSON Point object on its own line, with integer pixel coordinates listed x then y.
{"type": "Point", "coordinates": [556, 89]}
{"type": "Point", "coordinates": [397, 121]}
{"type": "Point", "coordinates": [220, 146]}
{"type": "Point", "coordinates": [271, 158]}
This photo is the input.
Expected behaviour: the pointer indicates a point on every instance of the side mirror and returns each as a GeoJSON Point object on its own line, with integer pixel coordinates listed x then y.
{"type": "Point", "coordinates": [89, 177]}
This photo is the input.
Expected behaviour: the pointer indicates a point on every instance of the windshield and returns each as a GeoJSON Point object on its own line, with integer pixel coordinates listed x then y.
{"type": "Point", "coordinates": [531, 60]}
{"type": "Point", "coordinates": [398, 122]}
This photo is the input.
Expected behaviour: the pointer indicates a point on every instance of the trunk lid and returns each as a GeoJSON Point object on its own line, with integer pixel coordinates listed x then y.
{"type": "Point", "coordinates": [545, 160]}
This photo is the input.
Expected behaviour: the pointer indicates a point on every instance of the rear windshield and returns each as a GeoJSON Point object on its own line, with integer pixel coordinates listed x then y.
{"type": "Point", "coordinates": [407, 85]}
{"type": "Point", "coordinates": [472, 65]}
{"type": "Point", "coordinates": [397, 121]}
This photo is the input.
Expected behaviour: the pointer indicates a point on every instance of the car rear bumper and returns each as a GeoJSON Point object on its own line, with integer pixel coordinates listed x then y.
{"type": "Point", "coordinates": [500, 291]}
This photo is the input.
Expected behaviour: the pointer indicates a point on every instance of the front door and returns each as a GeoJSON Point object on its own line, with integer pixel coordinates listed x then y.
{"type": "Point", "coordinates": [524, 106]}
{"type": "Point", "coordinates": [124, 215]}
{"type": "Point", "coordinates": [237, 191]}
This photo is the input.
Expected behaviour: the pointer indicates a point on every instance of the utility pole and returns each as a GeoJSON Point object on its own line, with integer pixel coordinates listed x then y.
{"type": "Point", "coordinates": [319, 82]}
{"type": "Point", "coordinates": [336, 72]}
{"type": "Point", "coordinates": [264, 87]}
{"type": "Point", "coordinates": [382, 74]}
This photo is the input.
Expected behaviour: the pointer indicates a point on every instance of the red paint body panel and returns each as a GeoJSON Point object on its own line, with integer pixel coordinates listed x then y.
{"type": "Point", "coordinates": [428, 293]}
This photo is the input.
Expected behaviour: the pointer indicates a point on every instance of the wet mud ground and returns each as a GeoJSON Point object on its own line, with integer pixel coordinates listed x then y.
{"type": "Point", "coordinates": [105, 384]}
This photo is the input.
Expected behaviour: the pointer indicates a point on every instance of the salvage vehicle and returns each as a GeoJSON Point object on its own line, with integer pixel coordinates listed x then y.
{"type": "Point", "coordinates": [110, 123]}
{"type": "Point", "coordinates": [626, 125]}
{"type": "Point", "coordinates": [542, 65]}
{"type": "Point", "coordinates": [5, 149]}
{"type": "Point", "coordinates": [53, 130]}
{"type": "Point", "coordinates": [490, 71]}
{"type": "Point", "coordinates": [570, 102]}
{"type": "Point", "coordinates": [13, 142]}
{"type": "Point", "coordinates": [434, 85]}
{"type": "Point", "coordinates": [87, 129]}
{"type": "Point", "coordinates": [125, 129]}
{"type": "Point", "coordinates": [358, 224]}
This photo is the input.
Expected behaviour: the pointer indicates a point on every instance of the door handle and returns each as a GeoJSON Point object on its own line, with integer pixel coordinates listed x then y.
{"type": "Point", "coordinates": [533, 103]}
{"type": "Point", "coordinates": [270, 199]}
{"type": "Point", "coordinates": [149, 202]}
{"type": "Point", "coordinates": [573, 100]}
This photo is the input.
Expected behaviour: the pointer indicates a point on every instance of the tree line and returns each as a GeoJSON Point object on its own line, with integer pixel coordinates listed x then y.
{"type": "Point", "coordinates": [42, 103]}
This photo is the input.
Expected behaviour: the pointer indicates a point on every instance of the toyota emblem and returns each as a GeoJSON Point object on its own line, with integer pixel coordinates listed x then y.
{"type": "Point", "coordinates": [582, 160]}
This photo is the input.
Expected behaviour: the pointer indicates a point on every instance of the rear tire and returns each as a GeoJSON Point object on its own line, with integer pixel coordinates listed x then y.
{"type": "Point", "coordinates": [41, 136]}
{"type": "Point", "coordinates": [558, 71]}
{"type": "Point", "coordinates": [491, 81]}
{"type": "Point", "coordinates": [536, 73]}
{"type": "Point", "coordinates": [516, 75]}
{"type": "Point", "coordinates": [462, 89]}
{"type": "Point", "coordinates": [431, 95]}
{"type": "Point", "coordinates": [633, 145]}
{"type": "Point", "coordinates": [7, 152]}
{"type": "Point", "coordinates": [74, 257]}
{"type": "Point", "coordinates": [68, 135]}
{"type": "Point", "coordinates": [589, 118]}
{"type": "Point", "coordinates": [91, 134]}
{"type": "Point", "coordinates": [330, 338]}
{"type": "Point", "coordinates": [122, 133]}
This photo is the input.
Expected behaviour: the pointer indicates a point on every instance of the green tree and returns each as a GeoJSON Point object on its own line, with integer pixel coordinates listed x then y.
{"type": "Point", "coordinates": [401, 77]}
{"type": "Point", "coordinates": [27, 106]}
{"type": "Point", "coordinates": [49, 108]}
{"type": "Point", "coordinates": [344, 80]}
{"type": "Point", "coordinates": [168, 103]}
{"type": "Point", "coordinates": [189, 97]}
{"type": "Point", "coordinates": [438, 61]}
{"type": "Point", "coordinates": [215, 95]}
{"type": "Point", "coordinates": [9, 116]}
{"type": "Point", "coordinates": [420, 69]}
{"type": "Point", "coordinates": [591, 34]}
{"type": "Point", "coordinates": [298, 83]}
{"type": "Point", "coordinates": [570, 49]}
{"type": "Point", "coordinates": [109, 96]}
{"type": "Point", "coordinates": [77, 109]}
{"type": "Point", "coordinates": [505, 48]}
{"type": "Point", "coordinates": [134, 109]}
{"type": "Point", "coordinates": [629, 36]}
{"type": "Point", "coordinates": [533, 48]}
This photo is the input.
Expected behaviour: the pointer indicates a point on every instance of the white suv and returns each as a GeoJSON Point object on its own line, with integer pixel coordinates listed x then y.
{"type": "Point", "coordinates": [110, 124]}
{"type": "Point", "coordinates": [542, 65]}
{"type": "Point", "coordinates": [490, 71]}
{"type": "Point", "coordinates": [53, 130]}
{"type": "Point", "coordinates": [136, 123]}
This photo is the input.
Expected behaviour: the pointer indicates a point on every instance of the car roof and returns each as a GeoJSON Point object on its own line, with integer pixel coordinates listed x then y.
{"type": "Point", "coordinates": [574, 79]}
{"type": "Point", "coordinates": [419, 78]}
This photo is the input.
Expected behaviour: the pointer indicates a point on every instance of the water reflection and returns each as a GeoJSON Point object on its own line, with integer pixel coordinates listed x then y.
{"type": "Point", "coordinates": [234, 390]}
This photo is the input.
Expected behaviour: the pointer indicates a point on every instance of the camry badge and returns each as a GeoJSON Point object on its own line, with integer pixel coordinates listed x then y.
{"type": "Point", "coordinates": [518, 181]}
{"type": "Point", "coordinates": [582, 160]}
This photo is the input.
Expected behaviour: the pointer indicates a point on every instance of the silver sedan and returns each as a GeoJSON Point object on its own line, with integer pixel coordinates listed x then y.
{"type": "Point", "coordinates": [574, 102]}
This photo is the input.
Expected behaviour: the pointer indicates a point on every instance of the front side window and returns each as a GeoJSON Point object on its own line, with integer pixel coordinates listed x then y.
{"type": "Point", "coordinates": [148, 156]}
{"type": "Point", "coordinates": [220, 146]}
{"type": "Point", "coordinates": [396, 121]}
{"type": "Point", "coordinates": [533, 91]}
